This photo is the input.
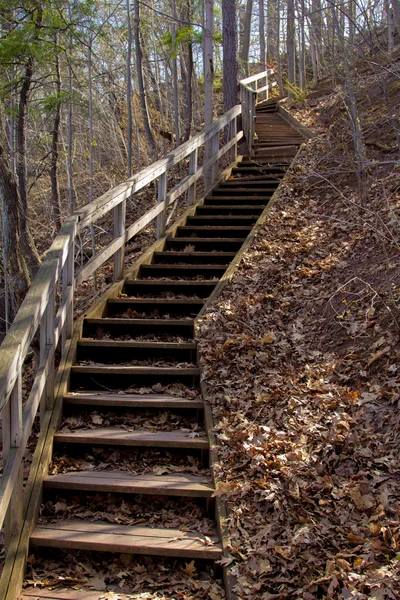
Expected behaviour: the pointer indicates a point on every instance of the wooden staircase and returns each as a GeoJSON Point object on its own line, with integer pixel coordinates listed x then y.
{"type": "Point", "coordinates": [134, 381]}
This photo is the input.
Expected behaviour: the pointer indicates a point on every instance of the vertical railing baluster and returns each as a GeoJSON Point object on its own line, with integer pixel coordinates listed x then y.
{"type": "Point", "coordinates": [68, 285]}
{"type": "Point", "coordinates": [12, 437]}
{"type": "Point", "coordinates": [119, 230]}
{"type": "Point", "coordinates": [214, 151]}
{"type": "Point", "coordinates": [192, 170]}
{"type": "Point", "coordinates": [233, 133]}
{"type": "Point", "coordinates": [47, 339]}
{"type": "Point", "coordinates": [162, 197]}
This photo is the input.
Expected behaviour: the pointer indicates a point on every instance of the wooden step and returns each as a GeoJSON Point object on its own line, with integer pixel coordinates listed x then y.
{"type": "Point", "coordinates": [118, 351]}
{"type": "Point", "coordinates": [170, 257]}
{"type": "Point", "coordinates": [214, 231]}
{"type": "Point", "coordinates": [215, 219]}
{"type": "Point", "coordinates": [123, 377]}
{"type": "Point", "coordinates": [135, 370]}
{"type": "Point", "coordinates": [203, 289]}
{"type": "Point", "coordinates": [226, 209]}
{"type": "Point", "coordinates": [126, 539]}
{"type": "Point", "coordinates": [163, 306]}
{"type": "Point", "coordinates": [123, 482]}
{"type": "Point", "coordinates": [127, 400]}
{"type": "Point", "coordinates": [209, 244]}
{"type": "Point", "coordinates": [114, 436]}
{"type": "Point", "coordinates": [233, 184]}
{"type": "Point", "coordinates": [161, 270]}
{"type": "Point", "coordinates": [137, 327]}
{"type": "Point", "coordinates": [246, 191]}
{"type": "Point", "coordinates": [33, 593]}
{"type": "Point", "coordinates": [240, 201]}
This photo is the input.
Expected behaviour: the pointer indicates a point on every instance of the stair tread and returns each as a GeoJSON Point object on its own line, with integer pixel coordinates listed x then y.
{"type": "Point", "coordinates": [178, 254]}
{"type": "Point", "coordinates": [175, 266]}
{"type": "Point", "coordinates": [166, 301]}
{"type": "Point", "coordinates": [130, 344]}
{"type": "Point", "coordinates": [127, 321]}
{"type": "Point", "coordinates": [173, 282]}
{"type": "Point", "coordinates": [130, 539]}
{"type": "Point", "coordinates": [216, 227]}
{"type": "Point", "coordinates": [123, 481]}
{"type": "Point", "coordinates": [116, 436]}
{"type": "Point", "coordinates": [132, 400]}
{"type": "Point", "coordinates": [134, 370]}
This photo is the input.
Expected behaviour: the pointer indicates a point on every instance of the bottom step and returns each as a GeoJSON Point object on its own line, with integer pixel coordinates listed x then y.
{"type": "Point", "coordinates": [127, 539]}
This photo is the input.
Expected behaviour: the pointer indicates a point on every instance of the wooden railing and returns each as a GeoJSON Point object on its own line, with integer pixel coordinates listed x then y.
{"type": "Point", "coordinates": [250, 89]}
{"type": "Point", "coordinates": [47, 312]}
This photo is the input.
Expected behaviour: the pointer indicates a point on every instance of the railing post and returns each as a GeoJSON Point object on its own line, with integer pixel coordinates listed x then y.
{"type": "Point", "coordinates": [192, 170]}
{"type": "Point", "coordinates": [47, 339]}
{"type": "Point", "coordinates": [252, 115]}
{"type": "Point", "coordinates": [214, 151]}
{"type": "Point", "coordinates": [162, 197]}
{"type": "Point", "coordinates": [233, 133]}
{"type": "Point", "coordinates": [12, 435]}
{"type": "Point", "coordinates": [119, 230]}
{"type": "Point", "coordinates": [68, 279]}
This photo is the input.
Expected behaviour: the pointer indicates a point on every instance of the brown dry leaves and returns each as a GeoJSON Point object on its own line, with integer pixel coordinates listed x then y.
{"type": "Point", "coordinates": [304, 377]}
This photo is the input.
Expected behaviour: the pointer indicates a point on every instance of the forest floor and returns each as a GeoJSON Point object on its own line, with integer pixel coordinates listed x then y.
{"type": "Point", "coordinates": [301, 354]}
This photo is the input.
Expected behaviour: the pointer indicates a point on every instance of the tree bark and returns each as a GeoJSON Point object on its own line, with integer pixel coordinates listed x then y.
{"type": "Point", "coordinates": [16, 269]}
{"type": "Point", "coordinates": [291, 40]}
{"type": "Point", "coordinates": [129, 89]}
{"type": "Point", "coordinates": [55, 196]}
{"type": "Point", "coordinates": [229, 45]}
{"type": "Point", "coordinates": [139, 70]}
{"type": "Point", "coordinates": [244, 51]}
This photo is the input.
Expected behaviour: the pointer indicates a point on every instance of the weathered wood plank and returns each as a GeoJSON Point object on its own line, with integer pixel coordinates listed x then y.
{"type": "Point", "coordinates": [127, 539]}
{"type": "Point", "coordinates": [112, 436]}
{"type": "Point", "coordinates": [123, 482]}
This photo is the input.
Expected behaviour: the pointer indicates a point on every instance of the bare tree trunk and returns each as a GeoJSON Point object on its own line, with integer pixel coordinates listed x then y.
{"type": "Point", "coordinates": [278, 48]}
{"type": "Point", "coordinates": [71, 199]}
{"type": "Point", "coordinates": [139, 70]}
{"type": "Point", "coordinates": [261, 31]}
{"type": "Point", "coordinates": [302, 44]}
{"type": "Point", "coordinates": [16, 268]}
{"type": "Point", "coordinates": [129, 88]}
{"type": "Point", "coordinates": [187, 76]}
{"type": "Point", "coordinates": [29, 249]}
{"type": "Point", "coordinates": [291, 40]}
{"type": "Point", "coordinates": [229, 45]}
{"type": "Point", "coordinates": [396, 14]}
{"type": "Point", "coordinates": [55, 195]}
{"type": "Point", "coordinates": [244, 51]}
{"type": "Point", "coordinates": [208, 79]}
{"type": "Point", "coordinates": [272, 31]}
{"type": "Point", "coordinates": [174, 69]}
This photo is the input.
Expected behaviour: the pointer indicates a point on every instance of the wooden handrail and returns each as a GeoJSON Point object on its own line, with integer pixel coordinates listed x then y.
{"type": "Point", "coordinates": [38, 310]}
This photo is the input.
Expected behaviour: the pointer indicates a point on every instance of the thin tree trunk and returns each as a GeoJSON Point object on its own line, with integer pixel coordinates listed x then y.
{"type": "Point", "coordinates": [209, 79]}
{"type": "Point", "coordinates": [174, 69]}
{"type": "Point", "coordinates": [71, 198]}
{"type": "Point", "coordinates": [302, 50]}
{"type": "Point", "coordinates": [291, 40]}
{"type": "Point", "coordinates": [139, 70]}
{"type": "Point", "coordinates": [129, 89]}
{"type": "Point", "coordinates": [229, 44]}
{"type": "Point", "coordinates": [244, 51]}
{"type": "Point", "coordinates": [55, 195]}
{"type": "Point", "coordinates": [91, 142]}
{"type": "Point", "coordinates": [16, 268]}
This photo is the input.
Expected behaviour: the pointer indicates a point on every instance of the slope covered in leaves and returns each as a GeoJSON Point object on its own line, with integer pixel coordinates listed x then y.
{"type": "Point", "coordinates": [301, 355]}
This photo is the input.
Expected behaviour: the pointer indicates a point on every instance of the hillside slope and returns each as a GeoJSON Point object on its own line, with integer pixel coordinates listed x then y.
{"type": "Point", "coordinates": [302, 357]}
